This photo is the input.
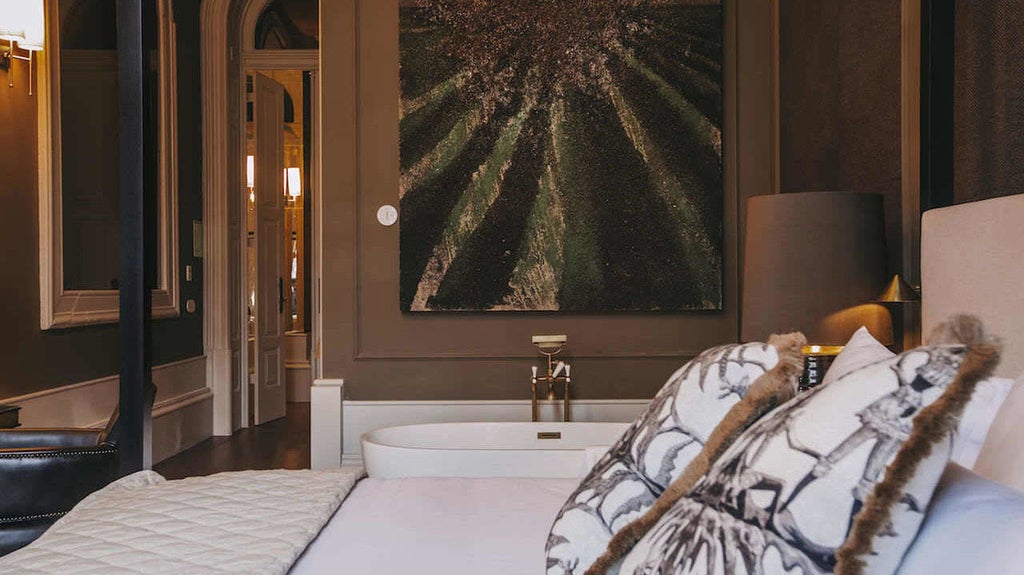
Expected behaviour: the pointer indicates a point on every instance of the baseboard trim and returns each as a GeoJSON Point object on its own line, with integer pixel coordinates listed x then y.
{"type": "Point", "coordinates": [182, 414]}
{"type": "Point", "coordinates": [359, 417]}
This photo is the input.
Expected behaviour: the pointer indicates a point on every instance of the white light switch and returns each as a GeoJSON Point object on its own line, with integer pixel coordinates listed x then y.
{"type": "Point", "coordinates": [387, 215]}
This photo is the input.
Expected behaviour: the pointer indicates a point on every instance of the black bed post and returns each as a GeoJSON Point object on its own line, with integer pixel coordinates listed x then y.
{"type": "Point", "coordinates": [134, 308]}
{"type": "Point", "coordinates": [938, 59]}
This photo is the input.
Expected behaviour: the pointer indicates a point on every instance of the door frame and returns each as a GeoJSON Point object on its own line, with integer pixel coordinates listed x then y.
{"type": "Point", "coordinates": [224, 55]}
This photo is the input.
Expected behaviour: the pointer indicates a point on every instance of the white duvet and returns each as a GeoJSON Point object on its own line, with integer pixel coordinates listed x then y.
{"type": "Point", "coordinates": [259, 522]}
{"type": "Point", "coordinates": [252, 522]}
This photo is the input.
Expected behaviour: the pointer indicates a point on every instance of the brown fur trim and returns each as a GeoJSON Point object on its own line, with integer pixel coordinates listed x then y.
{"type": "Point", "coordinates": [930, 426]}
{"type": "Point", "coordinates": [773, 388]}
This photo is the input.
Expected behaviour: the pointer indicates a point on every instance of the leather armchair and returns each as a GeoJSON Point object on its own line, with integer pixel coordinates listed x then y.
{"type": "Point", "coordinates": [44, 473]}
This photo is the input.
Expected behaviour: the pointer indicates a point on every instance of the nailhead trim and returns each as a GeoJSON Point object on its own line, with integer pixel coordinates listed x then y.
{"type": "Point", "coordinates": [46, 455]}
{"type": "Point", "coordinates": [31, 517]}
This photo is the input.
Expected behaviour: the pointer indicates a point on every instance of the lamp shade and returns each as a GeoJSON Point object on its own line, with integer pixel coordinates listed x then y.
{"type": "Point", "coordinates": [12, 21]}
{"type": "Point", "coordinates": [294, 182]}
{"type": "Point", "coordinates": [35, 26]}
{"type": "Point", "coordinates": [898, 291]}
{"type": "Point", "coordinates": [22, 21]}
{"type": "Point", "coordinates": [812, 262]}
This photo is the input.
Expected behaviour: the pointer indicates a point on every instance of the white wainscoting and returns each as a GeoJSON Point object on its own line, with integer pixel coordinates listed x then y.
{"type": "Point", "coordinates": [359, 417]}
{"type": "Point", "coordinates": [182, 414]}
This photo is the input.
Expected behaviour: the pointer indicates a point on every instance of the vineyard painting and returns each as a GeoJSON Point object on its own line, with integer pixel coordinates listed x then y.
{"type": "Point", "coordinates": [561, 155]}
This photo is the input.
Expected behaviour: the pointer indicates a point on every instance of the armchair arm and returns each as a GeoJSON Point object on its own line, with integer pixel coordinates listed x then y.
{"type": "Point", "coordinates": [37, 483]}
{"type": "Point", "coordinates": [57, 438]}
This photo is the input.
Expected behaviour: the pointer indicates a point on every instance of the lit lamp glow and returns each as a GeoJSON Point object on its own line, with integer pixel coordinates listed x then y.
{"type": "Point", "coordinates": [294, 182]}
{"type": "Point", "coordinates": [250, 171]}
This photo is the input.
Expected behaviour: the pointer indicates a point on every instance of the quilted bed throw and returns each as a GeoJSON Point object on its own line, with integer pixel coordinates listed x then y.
{"type": "Point", "coordinates": [255, 522]}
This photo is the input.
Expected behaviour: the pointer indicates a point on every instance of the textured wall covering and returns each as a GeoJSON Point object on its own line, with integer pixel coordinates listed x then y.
{"type": "Point", "coordinates": [840, 102]}
{"type": "Point", "coordinates": [988, 140]}
{"type": "Point", "coordinates": [384, 354]}
{"type": "Point", "coordinates": [34, 360]}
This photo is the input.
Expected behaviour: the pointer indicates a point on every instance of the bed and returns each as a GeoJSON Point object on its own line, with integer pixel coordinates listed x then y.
{"type": "Point", "coordinates": [498, 525]}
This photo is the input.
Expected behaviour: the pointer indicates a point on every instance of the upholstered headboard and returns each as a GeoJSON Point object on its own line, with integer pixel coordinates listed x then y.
{"type": "Point", "coordinates": [972, 261]}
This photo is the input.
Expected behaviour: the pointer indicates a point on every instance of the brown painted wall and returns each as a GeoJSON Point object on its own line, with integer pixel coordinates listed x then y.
{"type": "Point", "coordinates": [383, 354]}
{"type": "Point", "coordinates": [988, 138]}
{"type": "Point", "coordinates": [839, 110]}
{"type": "Point", "coordinates": [35, 360]}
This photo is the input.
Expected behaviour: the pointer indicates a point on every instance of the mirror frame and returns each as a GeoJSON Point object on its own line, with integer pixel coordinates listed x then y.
{"type": "Point", "coordinates": [60, 307]}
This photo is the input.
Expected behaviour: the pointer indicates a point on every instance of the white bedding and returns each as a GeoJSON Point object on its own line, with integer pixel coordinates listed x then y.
{"type": "Point", "coordinates": [251, 522]}
{"type": "Point", "coordinates": [427, 526]}
{"type": "Point", "coordinates": [973, 527]}
{"type": "Point", "coordinates": [452, 526]}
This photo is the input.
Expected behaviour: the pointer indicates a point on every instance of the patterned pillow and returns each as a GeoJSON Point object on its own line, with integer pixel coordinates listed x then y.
{"type": "Point", "coordinates": [657, 447]}
{"type": "Point", "coordinates": [836, 480]}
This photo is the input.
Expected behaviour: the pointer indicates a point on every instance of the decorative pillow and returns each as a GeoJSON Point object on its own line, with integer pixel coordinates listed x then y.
{"type": "Point", "coordinates": [863, 349]}
{"type": "Point", "coordinates": [977, 419]}
{"type": "Point", "coordinates": [658, 446]}
{"type": "Point", "coordinates": [836, 480]}
{"type": "Point", "coordinates": [1000, 459]}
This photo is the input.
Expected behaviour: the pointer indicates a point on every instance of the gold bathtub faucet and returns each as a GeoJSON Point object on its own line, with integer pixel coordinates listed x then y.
{"type": "Point", "coordinates": [550, 346]}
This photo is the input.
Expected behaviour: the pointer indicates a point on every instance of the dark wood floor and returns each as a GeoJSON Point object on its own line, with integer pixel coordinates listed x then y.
{"type": "Point", "coordinates": [280, 444]}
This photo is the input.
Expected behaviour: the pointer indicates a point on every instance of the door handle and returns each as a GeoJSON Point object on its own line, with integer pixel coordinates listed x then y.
{"type": "Point", "coordinates": [280, 295]}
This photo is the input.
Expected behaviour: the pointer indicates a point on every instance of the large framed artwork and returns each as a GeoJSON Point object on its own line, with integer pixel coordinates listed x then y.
{"type": "Point", "coordinates": [561, 155]}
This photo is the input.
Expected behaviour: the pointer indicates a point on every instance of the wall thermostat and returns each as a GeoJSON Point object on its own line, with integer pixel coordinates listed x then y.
{"type": "Point", "coordinates": [387, 215]}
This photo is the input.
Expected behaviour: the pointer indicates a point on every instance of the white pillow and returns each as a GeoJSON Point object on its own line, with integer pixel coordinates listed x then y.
{"type": "Point", "coordinates": [863, 350]}
{"type": "Point", "coordinates": [977, 419]}
{"type": "Point", "coordinates": [1000, 458]}
{"type": "Point", "coordinates": [973, 526]}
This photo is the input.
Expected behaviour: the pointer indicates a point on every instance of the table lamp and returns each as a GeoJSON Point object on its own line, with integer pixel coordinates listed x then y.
{"type": "Point", "coordinates": [812, 263]}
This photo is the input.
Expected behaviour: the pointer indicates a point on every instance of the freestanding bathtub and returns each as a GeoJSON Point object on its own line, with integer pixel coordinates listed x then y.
{"type": "Point", "coordinates": [487, 449]}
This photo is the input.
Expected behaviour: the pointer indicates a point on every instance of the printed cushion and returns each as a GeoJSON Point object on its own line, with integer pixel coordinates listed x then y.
{"type": "Point", "coordinates": [863, 349]}
{"type": "Point", "coordinates": [836, 480]}
{"type": "Point", "coordinates": [653, 452]}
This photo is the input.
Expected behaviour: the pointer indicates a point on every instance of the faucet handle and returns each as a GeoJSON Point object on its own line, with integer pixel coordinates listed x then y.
{"type": "Point", "coordinates": [534, 370]}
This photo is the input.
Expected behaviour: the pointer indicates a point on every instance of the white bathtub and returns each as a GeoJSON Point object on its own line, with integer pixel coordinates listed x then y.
{"type": "Point", "coordinates": [487, 449]}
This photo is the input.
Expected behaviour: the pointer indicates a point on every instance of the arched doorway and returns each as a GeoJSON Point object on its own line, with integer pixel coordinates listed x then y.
{"type": "Point", "coordinates": [262, 320]}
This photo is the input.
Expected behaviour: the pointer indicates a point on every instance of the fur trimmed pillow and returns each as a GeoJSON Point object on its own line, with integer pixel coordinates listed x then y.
{"type": "Point", "coordinates": [654, 451]}
{"type": "Point", "coordinates": [836, 480]}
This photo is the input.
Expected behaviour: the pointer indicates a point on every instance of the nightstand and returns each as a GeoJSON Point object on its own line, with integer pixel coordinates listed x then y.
{"type": "Point", "coordinates": [9, 416]}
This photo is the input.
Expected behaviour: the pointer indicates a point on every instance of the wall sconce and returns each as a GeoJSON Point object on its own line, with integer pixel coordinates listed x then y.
{"type": "Point", "coordinates": [22, 24]}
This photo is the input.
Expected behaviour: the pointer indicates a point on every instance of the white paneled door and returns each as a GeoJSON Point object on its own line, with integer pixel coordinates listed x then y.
{"type": "Point", "coordinates": [270, 293]}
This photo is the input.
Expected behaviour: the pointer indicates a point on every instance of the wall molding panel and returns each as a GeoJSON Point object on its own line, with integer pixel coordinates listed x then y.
{"type": "Point", "coordinates": [182, 414]}
{"type": "Point", "coordinates": [60, 307]}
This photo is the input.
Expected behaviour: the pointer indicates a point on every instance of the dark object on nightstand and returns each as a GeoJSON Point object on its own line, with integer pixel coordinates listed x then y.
{"type": "Point", "coordinates": [45, 472]}
{"type": "Point", "coordinates": [817, 359]}
{"type": "Point", "coordinates": [9, 416]}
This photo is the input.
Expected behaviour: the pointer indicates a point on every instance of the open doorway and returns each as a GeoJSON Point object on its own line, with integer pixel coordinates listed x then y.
{"type": "Point", "coordinates": [281, 147]}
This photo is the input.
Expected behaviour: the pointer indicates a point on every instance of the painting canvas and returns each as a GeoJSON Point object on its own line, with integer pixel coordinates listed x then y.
{"type": "Point", "coordinates": [561, 155]}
